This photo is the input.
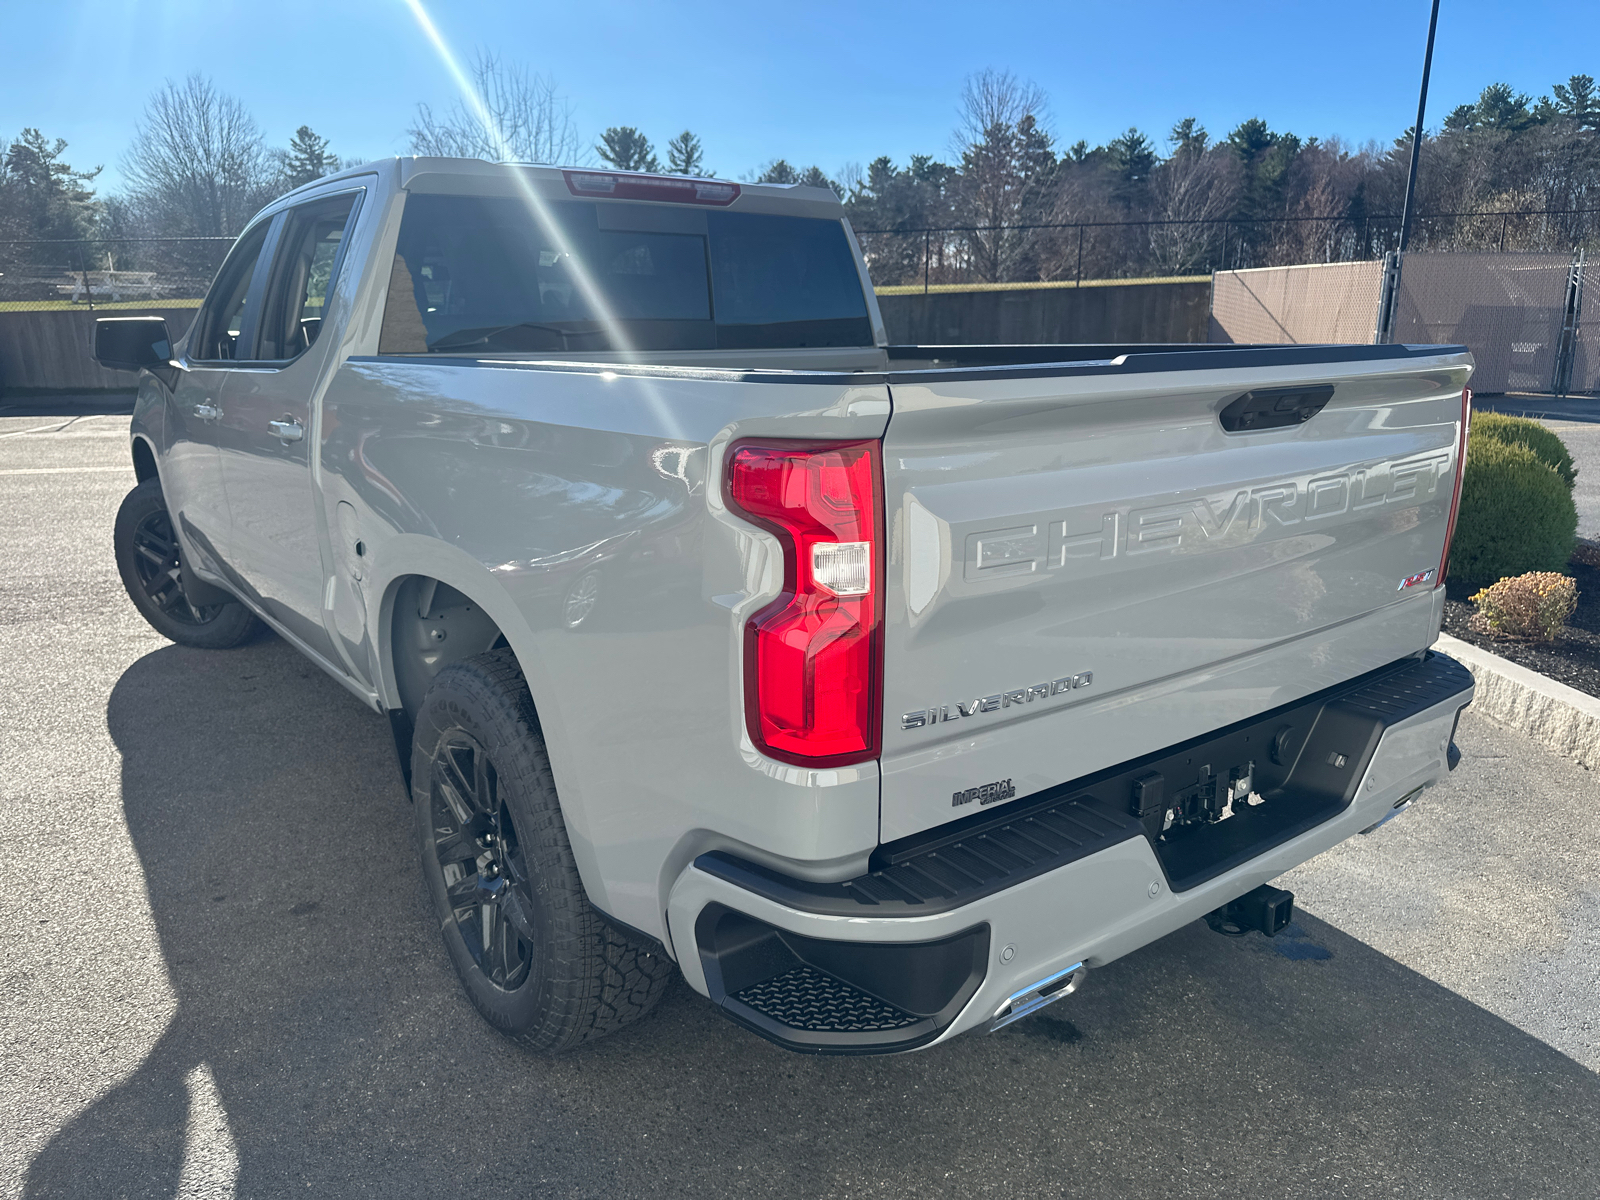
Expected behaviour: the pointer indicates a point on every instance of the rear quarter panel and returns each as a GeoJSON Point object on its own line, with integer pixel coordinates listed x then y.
{"type": "Point", "coordinates": [516, 485]}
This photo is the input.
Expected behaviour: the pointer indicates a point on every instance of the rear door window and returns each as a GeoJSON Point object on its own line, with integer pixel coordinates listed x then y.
{"type": "Point", "coordinates": [491, 275]}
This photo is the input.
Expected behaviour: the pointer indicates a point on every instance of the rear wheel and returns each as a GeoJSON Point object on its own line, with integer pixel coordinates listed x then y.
{"type": "Point", "coordinates": [536, 959]}
{"type": "Point", "coordinates": [149, 561]}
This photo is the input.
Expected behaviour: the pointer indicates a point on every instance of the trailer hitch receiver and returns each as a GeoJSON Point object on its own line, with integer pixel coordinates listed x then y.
{"type": "Point", "coordinates": [1266, 909]}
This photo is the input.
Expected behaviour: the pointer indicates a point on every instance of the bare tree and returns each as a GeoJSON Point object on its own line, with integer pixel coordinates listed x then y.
{"type": "Point", "coordinates": [1080, 196]}
{"type": "Point", "coordinates": [1194, 185]}
{"type": "Point", "coordinates": [1007, 161]}
{"type": "Point", "coordinates": [524, 119]}
{"type": "Point", "coordinates": [197, 164]}
{"type": "Point", "coordinates": [992, 99]}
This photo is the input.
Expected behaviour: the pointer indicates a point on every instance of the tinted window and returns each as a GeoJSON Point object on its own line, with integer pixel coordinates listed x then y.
{"type": "Point", "coordinates": [308, 250]}
{"type": "Point", "coordinates": [782, 271]}
{"type": "Point", "coordinates": [487, 275]}
{"type": "Point", "coordinates": [223, 321]}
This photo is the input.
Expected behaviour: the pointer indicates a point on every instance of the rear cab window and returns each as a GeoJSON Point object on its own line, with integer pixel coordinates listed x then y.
{"type": "Point", "coordinates": [502, 275]}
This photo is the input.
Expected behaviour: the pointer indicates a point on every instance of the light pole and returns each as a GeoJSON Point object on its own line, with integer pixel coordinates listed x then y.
{"type": "Point", "coordinates": [1392, 276]}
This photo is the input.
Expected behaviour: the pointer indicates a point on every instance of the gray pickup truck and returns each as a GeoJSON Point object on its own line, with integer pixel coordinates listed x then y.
{"type": "Point", "coordinates": [880, 690]}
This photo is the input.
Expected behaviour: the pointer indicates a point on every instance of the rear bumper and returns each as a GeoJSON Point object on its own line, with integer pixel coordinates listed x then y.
{"type": "Point", "coordinates": [959, 956]}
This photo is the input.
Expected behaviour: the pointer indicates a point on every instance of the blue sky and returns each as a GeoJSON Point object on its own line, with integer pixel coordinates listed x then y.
{"type": "Point", "coordinates": [811, 82]}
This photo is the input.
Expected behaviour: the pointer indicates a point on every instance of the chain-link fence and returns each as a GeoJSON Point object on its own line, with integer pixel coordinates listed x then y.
{"type": "Point", "coordinates": [113, 270]}
{"type": "Point", "coordinates": [1521, 315]}
{"type": "Point", "coordinates": [930, 258]}
{"type": "Point", "coordinates": [94, 272]}
{"type": "Point", "coordinates": [1323, 303]}
{"type": "Point", "coordinates": [1507, 308]}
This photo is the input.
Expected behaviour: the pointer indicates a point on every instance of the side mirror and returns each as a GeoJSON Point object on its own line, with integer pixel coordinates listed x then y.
{"type": "Point", "coordinates": [131, 343]}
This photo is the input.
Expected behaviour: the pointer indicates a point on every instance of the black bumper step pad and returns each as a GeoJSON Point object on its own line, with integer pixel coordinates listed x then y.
{"type": "Point", "coordinates": [955, 870]}
{"type": "Point", "coordinates": [1307, 758]}
{"type": "Point", "coordinates": [803, 998]}
{"type": "Point", "coordinates": [826, 997]}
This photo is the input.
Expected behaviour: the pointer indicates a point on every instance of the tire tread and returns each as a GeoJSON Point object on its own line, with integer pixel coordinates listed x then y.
{"type": "Point", "coordinates": [597, 978]}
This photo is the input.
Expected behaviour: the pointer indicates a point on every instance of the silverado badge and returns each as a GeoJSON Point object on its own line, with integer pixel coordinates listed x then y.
{"type": "Point", "coordinates": [923, 717]}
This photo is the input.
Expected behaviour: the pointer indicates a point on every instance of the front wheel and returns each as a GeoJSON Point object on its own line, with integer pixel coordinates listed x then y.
{"type": "Point", "coordinates": [536, 959]}
{"type": "Point", "coordinates": [148, 559]}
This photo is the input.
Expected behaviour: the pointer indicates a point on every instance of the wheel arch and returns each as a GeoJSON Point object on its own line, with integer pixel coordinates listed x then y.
{"type": "Point", "coordinates": [144, 459]}
{"type": "Point", "coordinates": [413, 563]}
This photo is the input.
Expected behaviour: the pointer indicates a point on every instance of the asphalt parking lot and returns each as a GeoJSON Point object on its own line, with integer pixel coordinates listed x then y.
{"type": "Point", "coordinates": [218, 975]}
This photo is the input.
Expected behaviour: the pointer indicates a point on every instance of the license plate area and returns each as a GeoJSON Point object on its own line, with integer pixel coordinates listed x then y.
{"type": "Point", "coordinates": [1219, 800]}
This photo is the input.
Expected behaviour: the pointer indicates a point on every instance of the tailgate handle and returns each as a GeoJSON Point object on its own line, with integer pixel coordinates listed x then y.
{"type": "Point", "coordinates": [1274, 408]}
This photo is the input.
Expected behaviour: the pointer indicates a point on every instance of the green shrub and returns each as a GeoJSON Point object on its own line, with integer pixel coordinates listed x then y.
{"type": "Point", "coordinates": [1524, 431]}
{"type": "Point", "coordinates": [1517, 515]}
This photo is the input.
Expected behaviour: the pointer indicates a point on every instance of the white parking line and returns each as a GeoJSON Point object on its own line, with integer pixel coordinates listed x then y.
{"type": "Point", "coordinates": [59, 470]}
{"type": "Point", "coordinates": [59, 427]}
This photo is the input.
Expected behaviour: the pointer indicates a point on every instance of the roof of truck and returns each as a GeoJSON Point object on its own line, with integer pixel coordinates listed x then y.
{"type": "Point", "coordinates": [474, 176]}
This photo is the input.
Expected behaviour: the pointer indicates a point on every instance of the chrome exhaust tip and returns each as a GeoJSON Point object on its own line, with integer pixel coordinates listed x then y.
{"type": "Point", "coordinates": [1400, 806]}
{"type": "Point", "coordinates": [1034, 997]}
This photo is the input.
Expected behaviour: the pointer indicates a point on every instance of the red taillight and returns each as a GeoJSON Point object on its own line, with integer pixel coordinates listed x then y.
{"type": "Point", "coordinates": [813, 658]}
{"type": "Point", "coordinates": [616, 186]}
{"type": "Point", "coordinates": [1455, 494]}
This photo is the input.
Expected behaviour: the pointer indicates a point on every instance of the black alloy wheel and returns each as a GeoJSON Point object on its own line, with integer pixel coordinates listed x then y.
{"type": "Point", "coordinates": [160, 571]}
{"type": "Point", "coordinates": [149, 560]}
{"type": "Point", "coordinates": [485, 872]}
{"type": "Point", "coordinates": [533, 955]}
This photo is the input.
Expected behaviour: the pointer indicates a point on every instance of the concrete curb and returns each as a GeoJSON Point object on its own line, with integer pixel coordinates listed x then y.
{"type": "Point", "coordinates": [1558, 716]}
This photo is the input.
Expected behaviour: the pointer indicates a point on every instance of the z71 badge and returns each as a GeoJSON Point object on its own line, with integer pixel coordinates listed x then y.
{"type": "Point", "coordinates": [923, 717]}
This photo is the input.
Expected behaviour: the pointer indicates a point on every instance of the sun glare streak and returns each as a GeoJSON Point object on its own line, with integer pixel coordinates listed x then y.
{"type": "Point", "coordinates": [578, 270]}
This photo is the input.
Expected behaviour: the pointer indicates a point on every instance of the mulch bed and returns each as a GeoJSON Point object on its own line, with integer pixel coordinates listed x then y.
{"type": "Point", "coordinates": [1573, 659]}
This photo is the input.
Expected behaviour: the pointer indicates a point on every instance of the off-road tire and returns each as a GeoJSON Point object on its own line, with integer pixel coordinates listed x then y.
{"type": "Point", "coordinates": [144, 531]}
{"type": "Point", "coordinates": [584, 977]}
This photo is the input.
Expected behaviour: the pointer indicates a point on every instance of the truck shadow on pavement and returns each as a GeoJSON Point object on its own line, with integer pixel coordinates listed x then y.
{"type": "Point", "coordinates": [268, 818]}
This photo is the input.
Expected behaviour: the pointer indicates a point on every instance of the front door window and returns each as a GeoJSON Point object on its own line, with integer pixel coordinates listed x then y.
{"type": "Point", "coordinates": [308, 253]}
{"type": "Point", "coordinates": [223, 327]}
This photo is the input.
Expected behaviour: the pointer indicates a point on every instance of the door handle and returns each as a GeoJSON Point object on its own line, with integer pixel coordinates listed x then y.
{"type": "Point", "coordinates": [288, 429]}
{"type": "Point", "coordinates": [207, 411]}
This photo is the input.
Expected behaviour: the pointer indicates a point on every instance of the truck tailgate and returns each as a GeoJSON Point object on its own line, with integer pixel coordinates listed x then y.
{"type": "Point", "coordinates": [1084, 566]}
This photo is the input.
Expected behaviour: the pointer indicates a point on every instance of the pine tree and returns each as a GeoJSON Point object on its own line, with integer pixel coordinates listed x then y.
{"type": "Point", "coordinates": [1188, 136]}
{"type": "Point", "coordinates": [626, 149]}
{"type": "Point", "coordinates": [1578, 100]}
{"type": "Point", "coordinates": [1266, 158]}
{"type": "Point", "coordinates": [778, 171]}
{"type": "Point", "coordinates": [1501, 108]}
{"type": "Point", "coordinates": [685, 156]}
{"type": "Point", "coordinates": [1132, 160]}
{"type": "Point", "coordinates": [307, 158]}
{"type": "Point", "coordinates": [814, 176]}
{"type": "Point", "coordinates": [52, 198]}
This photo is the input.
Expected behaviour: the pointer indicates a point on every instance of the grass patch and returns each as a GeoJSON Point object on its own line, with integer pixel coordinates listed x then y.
{"type": "Point", "coordinates": [107, 306]}
{"type": "Point", "coordinates": [916, 289]}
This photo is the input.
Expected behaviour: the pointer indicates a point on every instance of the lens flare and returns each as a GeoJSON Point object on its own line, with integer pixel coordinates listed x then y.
{"type": "Point", "coordinates": [578, 270]}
